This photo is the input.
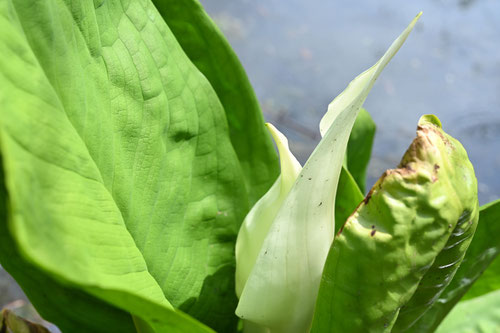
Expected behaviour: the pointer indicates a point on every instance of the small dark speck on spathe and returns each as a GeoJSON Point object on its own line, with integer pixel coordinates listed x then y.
{"type": "Point", "coordinates": [373, 226]}
{"type": "Point", "coordinates": [265, 252]}
{"type": "Point", "coordinates": [320, 203]}
{"type": "Point", "coordinates": [309, 178]}
{"type": "Point", "coordinates": [373, 232]}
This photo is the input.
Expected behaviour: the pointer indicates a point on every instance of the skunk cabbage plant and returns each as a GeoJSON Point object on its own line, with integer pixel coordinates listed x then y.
{"type": "Point", "coordinates": [280, 290]}
{"type": "Point", "coordinates": [140, 191]}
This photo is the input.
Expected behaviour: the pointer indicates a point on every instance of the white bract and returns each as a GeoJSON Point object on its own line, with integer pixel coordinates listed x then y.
{"type": "Point", "coordinates": [284, 241]}
{"type": "Point", "coordinates": [258, 221]}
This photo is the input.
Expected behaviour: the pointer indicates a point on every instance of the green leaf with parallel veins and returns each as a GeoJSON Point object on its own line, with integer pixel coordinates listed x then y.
{"type": "Point", "coordinates": [121, 183]}
{"type": "Point", "coordinates": [477, 315]}
{"type": "Point", "coordinates": [478, 271]}
{"type": "Point", "coordinates": [404, 242]}
{"type": "Point", "coordinates": [211, 53]}
{"type": "Point", "coordinates": [359, 148]}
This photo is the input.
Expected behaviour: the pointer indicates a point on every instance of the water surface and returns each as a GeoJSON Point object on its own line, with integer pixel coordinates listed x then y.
{"type": "Point", "coordinates": [300, 54]}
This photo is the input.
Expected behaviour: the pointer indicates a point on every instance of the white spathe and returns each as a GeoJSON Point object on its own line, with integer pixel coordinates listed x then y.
{"type": "Point", "coordinates": [255, 227]}
{"type": "Point", "coordinates": [281, 251]}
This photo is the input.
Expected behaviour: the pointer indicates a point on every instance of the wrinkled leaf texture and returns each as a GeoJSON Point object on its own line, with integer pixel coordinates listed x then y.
{"type": "Point", "coordinates": [477, 275]}
{"type": "Point", "coordinates": [403, 244]}
{"type": "Point", "coordinates": [211, 53]}
{"type": "Point", "coordinates": [121, 189]}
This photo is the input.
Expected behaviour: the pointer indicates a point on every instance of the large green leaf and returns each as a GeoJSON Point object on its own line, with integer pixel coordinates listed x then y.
{"type": "Point", "coordinates": [480, 269]}
{"type": "Point", "coordinates": [78, 310]}
{"type": "Point", "coordinates": [477, 315]}
{"type": "Point", "coordinates": [72, 309]}
{"type": "Point", "coordinates": [281, 290]}
{"type": "Point", "coordinates": [359, 148]}
{"type": "Point", "coordinates": [122, 185]}
{"type": "Point", "coordinates": [211, 53]}
{"type": "Point", "coordinates": [399, 250]}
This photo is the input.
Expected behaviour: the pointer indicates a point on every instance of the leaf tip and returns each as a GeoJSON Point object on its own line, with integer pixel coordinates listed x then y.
{"type": "Point", "coordinates": [278, 137]}
{"type": "Point", "coordinates": [417, 17]}
{"type": "Point", "coordinates": [429, 119]}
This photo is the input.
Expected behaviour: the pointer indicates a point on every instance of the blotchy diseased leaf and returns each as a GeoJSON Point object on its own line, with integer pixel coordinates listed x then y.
{"type": "Point", "coordinates": [207, 48]}
{"type": "Point", "coordinates": [477, 315]}
{"type": "Point", "coordinates": [359, 148]}
{"type": "Point", "coordinates": [281, 290]}
{"type": "Point", "coordinates": [478, 273]}
{"type": "Point", "coordinates": [121, 183]}
{"type": "Point", "coordinates": [410, 232]}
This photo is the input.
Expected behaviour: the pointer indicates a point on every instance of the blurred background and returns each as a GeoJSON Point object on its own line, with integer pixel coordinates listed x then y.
{"type": "Point", "coordinates": [300, 54]}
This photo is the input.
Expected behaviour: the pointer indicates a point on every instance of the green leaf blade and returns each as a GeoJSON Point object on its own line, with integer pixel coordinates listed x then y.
{"type": "Point", "coordinates": [359, 147]}
{"type": "Point", "coordinates": [477, 274]}
{"type": "Point", "coordinates": [349, 192]}
{"type": "Point", "coordinates": [121, 180]}
{"type": "Point", "coordinates": [211, 53]}
{"type": "Point", "coordinates": [484, 253]}
{"type": "Point", "coordinates": [477, 315]}
{"type": "Point", "coordinates": [385, 253]}
{"type": "Point", "coordinates": [349, 196]}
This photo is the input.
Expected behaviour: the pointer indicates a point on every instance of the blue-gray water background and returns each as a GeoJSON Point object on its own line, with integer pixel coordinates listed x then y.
{"type": "Point", "coordinates": [300, 54]}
